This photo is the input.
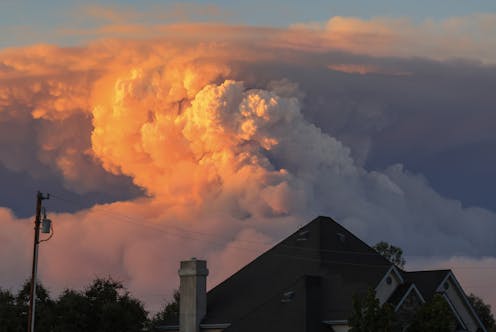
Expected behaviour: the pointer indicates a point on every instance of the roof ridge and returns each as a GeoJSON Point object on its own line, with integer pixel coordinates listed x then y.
{"type": "Point", "coordinates": [421, 271]}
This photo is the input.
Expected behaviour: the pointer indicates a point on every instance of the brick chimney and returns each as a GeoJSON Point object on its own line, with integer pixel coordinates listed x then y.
{"type": "Point", "coordinates": [193, 289]}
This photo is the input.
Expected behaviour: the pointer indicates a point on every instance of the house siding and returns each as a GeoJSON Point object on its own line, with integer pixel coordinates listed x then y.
{"type": "Point", "coordinates": [458, 302]}
{"type": "Point", "coordinates": [384, 290]}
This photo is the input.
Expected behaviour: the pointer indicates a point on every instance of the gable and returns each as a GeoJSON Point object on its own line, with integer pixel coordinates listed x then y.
{"type": "Point", "coordinates": [426, 282]}
{"type": "Point", "coordinates": [407, 306]}
{"type": "Point", "coordinates": [388, 284]}
{"type": "Point", "coordinates": [445, 283]}
{"type": "Point", "coordinates": [323, 248]}
{"type": "Point", "coordinates": [307, 282]}
{"type": "Point", "coordinates": [459, 304]}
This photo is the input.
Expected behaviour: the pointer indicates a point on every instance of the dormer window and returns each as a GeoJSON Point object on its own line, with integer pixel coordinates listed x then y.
{"type": "Point", "coordinates": [287, 297]}
{"type": "Point", "coordinates": [302, 236]}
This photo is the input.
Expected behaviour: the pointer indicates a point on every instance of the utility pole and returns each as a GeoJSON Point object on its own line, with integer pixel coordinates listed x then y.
{"type": "Point", "coordinates": [32, 298]}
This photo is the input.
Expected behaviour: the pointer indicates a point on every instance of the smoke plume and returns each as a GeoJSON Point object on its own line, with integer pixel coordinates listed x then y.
{"type": "Point", "coordinates": [228, 163]}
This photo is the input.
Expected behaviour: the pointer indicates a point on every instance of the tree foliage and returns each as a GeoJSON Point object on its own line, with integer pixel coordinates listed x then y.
{"type": "Point", "coordinates": [169, 313]}
{"type": "Point", "coordinates": [8, 311]}
{"type": "Point", "coordinates": [73, 312]}
{"type": "Point", "coordinates": [104, 306]}
{"type": "Point", "coordinates": [14, 309]}
{"type": "Point", "coordinates": [391, 253]}
{"type": "Point", "coordinates": [483, 310]}
{"type": "Point", "coordinates": [369, 315]}
{"type": "Point", "coordinates": [111, 308]}
{"type": "Point", "coordinates": [434, 315]}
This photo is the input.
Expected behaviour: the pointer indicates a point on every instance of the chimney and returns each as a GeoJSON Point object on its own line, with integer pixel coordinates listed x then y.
{"type": "Point", "coordinates": [193, 291]}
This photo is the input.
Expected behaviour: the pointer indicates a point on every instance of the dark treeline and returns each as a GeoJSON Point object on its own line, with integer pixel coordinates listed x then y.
{"type": "Point", "coordinates": [105, 305]}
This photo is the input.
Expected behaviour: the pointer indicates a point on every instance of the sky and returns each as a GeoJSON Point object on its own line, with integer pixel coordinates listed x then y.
{"type": "Point", "coordinates": [215, 129]}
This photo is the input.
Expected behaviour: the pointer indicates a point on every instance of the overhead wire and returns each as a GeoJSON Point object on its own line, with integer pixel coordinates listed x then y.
{"type": "Point", "coordinates": [186, 234]}
{"type": "Point", "coordinates": [183, 231]}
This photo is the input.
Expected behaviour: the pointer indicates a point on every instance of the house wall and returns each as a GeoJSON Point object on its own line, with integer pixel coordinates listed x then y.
{"type": "Point", "coordinates": [384, 290]}
{"type": "Point", "coordinates": [458, 302]}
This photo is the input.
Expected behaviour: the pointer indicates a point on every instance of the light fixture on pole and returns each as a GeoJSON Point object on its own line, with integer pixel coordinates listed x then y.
{"type": "Point", "coordinates": [47, 228]}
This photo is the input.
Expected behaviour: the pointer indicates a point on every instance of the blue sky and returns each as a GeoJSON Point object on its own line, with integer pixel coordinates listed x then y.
{"type": "Point", "coordinates": [25, 22]}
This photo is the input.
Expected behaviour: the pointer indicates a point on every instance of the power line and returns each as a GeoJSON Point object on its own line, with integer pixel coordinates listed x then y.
{"type": "Point", "coordinates": [216, 236]}
{"type": "Point", "coordinates": [186, 234]}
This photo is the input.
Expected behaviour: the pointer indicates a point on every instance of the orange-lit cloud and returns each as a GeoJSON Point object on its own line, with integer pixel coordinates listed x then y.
{"type": "Point", "coordinates": [167, 116]}
{"type": "Point", "coordinates": [227, 167]}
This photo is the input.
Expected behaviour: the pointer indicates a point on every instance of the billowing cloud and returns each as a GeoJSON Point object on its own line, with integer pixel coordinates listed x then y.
{"type": "Point", "coordinates": [385, 36]}
{"type": "Point", "coordinates": [229, 157]}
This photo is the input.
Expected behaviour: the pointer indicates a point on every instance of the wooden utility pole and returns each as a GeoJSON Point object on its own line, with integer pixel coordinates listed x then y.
{"type": "Point", "coordinates": [32, 296]}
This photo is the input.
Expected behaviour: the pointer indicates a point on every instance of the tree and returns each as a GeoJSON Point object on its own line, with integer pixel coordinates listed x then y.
{"type": "Point", "coordinates": [483, 310]}
{"type": "Point", "coordinates": [14, 309]}
{"type": "Point", "coordinates": [44, 307]}
{"type": "Point", "coordinates": [104, 306]}
{"type": "Point", "coordinates": [9, 320]}
{"type": "Point", "coordinates": [72, 310]}
{"type": "Point", "coordinates": [111, 308]}
{"type": "Point", "coordinates": [434, 315]}
{"type": "Point", "coordinates": [369, 316]}
{"type": "Point", "coordinates": [170, 312]}
{"type": "Point", "coordinates": [391, 253]}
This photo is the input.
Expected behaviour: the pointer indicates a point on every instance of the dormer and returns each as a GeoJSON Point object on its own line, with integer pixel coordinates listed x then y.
{"type": "Point", "coordinates": [386, 287]}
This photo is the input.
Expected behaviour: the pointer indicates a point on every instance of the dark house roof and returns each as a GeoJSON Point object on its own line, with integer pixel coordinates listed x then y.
{"type": "Point", "coordinates": [399, 293]}
{"type": "Point", "coordinates": [307, 278]}
{"type": "Point", "coordinates": [426, 281]}
{"type": "Point", "coordinates": [307, 282]}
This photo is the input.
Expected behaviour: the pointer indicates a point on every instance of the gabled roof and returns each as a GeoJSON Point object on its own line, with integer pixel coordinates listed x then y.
{"type": "Point", "coordinates": [307, 282]}
{"type": "Point", "coordinates": [322, 250]}
{"type": "Point", "coordinates": [399, 293]}
{"type": "Point", "coordinates": [430, 283]}
{"type": "Point", "coordinates": [427, 282]}
{"type": "Point", "coordinates": [402, 293]}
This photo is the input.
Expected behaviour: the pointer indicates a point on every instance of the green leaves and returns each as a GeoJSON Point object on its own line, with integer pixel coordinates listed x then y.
{"type": "Point", "coordinates": [483, 310]}
{"type": "Point", "coordinates": [103, 306]}
{"type": "Point", "coordinates": [434, 315]}
{"type": "Point", "coordinates": [369, 316]}
{"type": "Point", "coordinates": [169, 313]}
{"type": "Point", "coordinates": [14, 309]}
{"type": "Point", "coordinates": [8, 311]}
{"type": "Point", "coordinates": [391, 253]}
